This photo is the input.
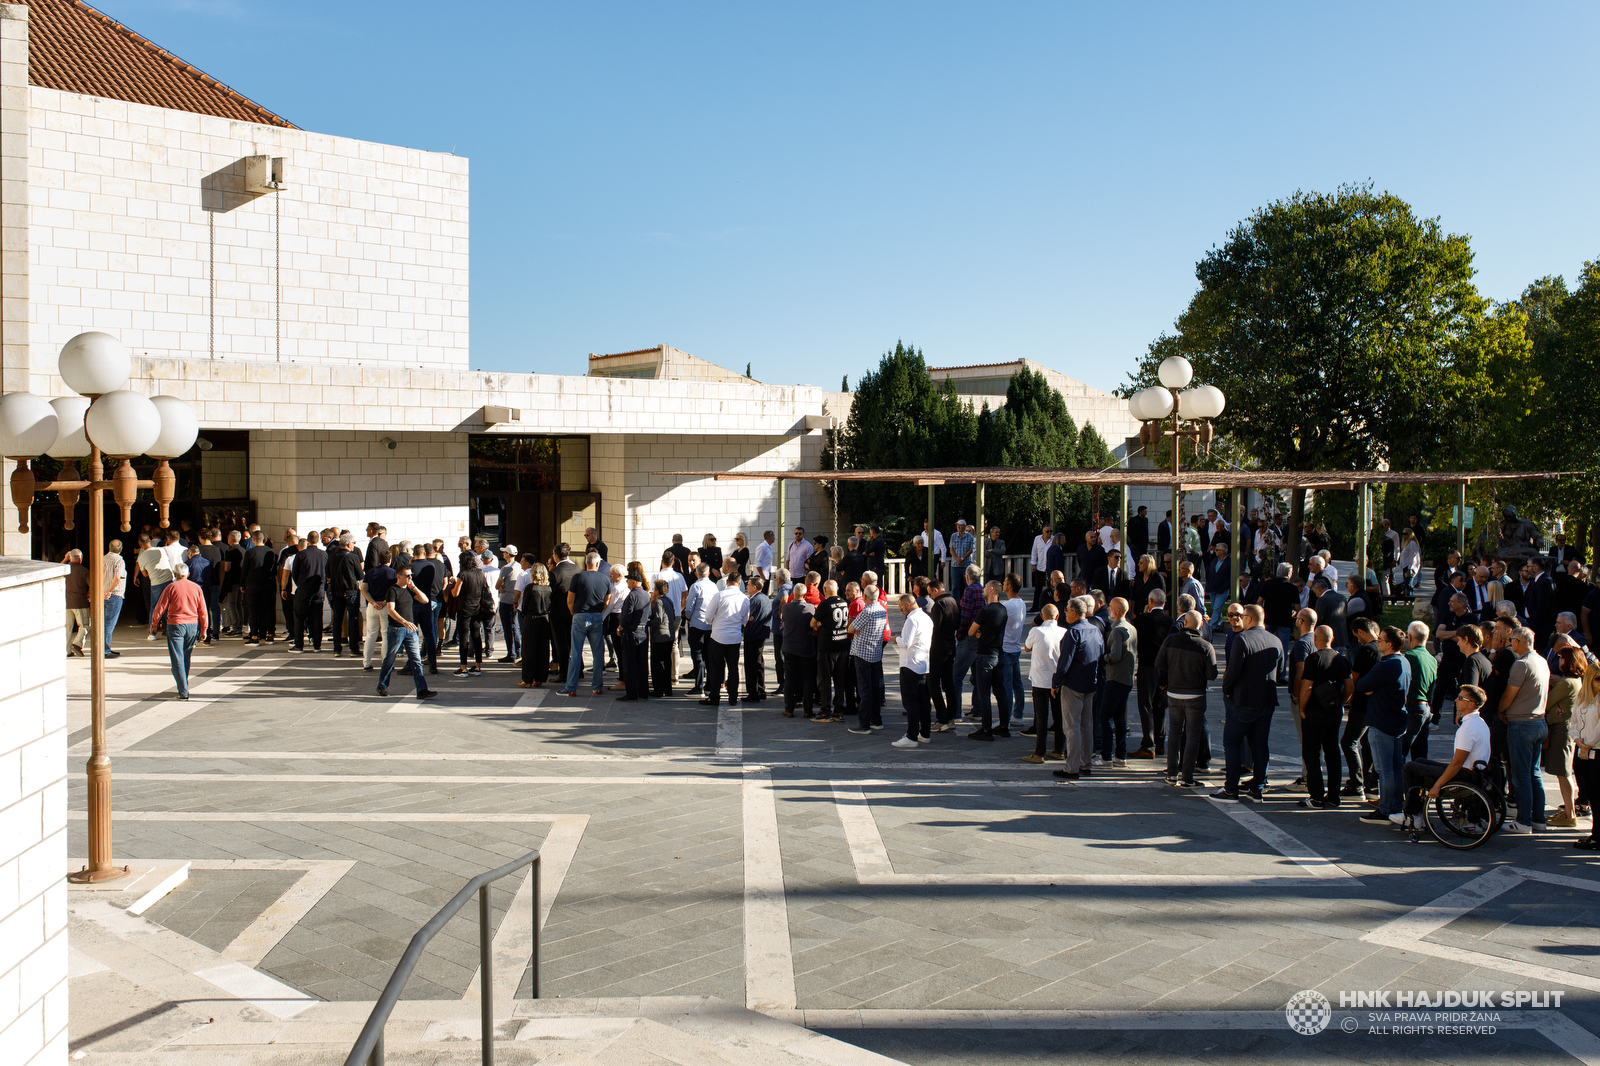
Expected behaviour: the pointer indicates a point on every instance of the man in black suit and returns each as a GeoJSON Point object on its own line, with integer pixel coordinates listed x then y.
{"type": "Point", "coordinates": [561, 576]}
{"type": "Point", "coordinates": [1163, 539]}
{"type": "Point", "coordinates": [1139, 533]}
{"type": "Point", "coordinates": [376, 543]}
{"type": "Point", "coordinates": [1154, 626]}
{"type": "Point", "coordinates": [1251, 690]}
{"type": "Point", "coordinates": [1112, 578]}
{"type": "Point", "coordinates": [1541, 605]}
{"type": "Point", "coordinates": [854, 564]}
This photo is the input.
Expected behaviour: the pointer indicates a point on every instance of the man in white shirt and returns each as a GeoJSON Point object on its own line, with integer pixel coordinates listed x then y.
{"type": "Point", "coordinates": [799, 551]}
{"type": "Point", "coordinates": [1043, 646]}
{"type": "Point", "coordinates": [1039, 562]}
{"type": "Point", "coordinates": [1329, 571]}
{"type": "Point", "coordinates": [677, 588]}
{"type": "Point", "coordinates": [939, 549]}
{"type": "Point", "coordinates": [697, 618]}
{"type": "Point", "coordinates": [916, 643]}
{"type": "Point", "coordinates": [1107, 534]}
{"type": "Point", "coordinates": [730, 610]}
{"type": "Point", "coordinates": [113, 586]}
{"type": "Point", "coordinates": [762, 560]}
{"type": "Point", "coordinates": [1472, 747]}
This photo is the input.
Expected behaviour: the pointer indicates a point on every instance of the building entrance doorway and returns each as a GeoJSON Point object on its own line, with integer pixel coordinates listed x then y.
{"type": "Point", "coordinates": [530, 491]}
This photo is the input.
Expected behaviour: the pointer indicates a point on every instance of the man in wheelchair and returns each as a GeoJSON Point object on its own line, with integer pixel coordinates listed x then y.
{"type": "Point", "coordinates": [1424, 777]}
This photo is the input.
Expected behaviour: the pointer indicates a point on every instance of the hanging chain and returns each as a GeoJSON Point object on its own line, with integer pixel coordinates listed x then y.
{"type": "Point", "coordinates": [211, 326]}
{"type": "Point", "coordinates": [277, 275]}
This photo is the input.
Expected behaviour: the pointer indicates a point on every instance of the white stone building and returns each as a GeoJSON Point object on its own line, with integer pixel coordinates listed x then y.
{"type": "Point", "coordinates": [315, 313]}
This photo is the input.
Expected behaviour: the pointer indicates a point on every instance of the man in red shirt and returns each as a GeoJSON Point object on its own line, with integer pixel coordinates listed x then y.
{"type": "Point", "coordinates": [182, 607]}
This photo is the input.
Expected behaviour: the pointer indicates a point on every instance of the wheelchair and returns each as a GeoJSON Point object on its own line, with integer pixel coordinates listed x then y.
{"type": "Point", "coordinates": [1467, 812]}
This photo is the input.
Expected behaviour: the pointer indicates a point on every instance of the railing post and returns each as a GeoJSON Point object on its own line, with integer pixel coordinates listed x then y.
{"type": "Point", "coordinates": [535, 961]}
{"type": "Point", "coordinates": [486, 987]}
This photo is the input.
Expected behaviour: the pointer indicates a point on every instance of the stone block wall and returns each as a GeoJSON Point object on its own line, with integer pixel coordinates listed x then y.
{"type": "Point", "coordinates": [136, 211]}
{"type": "Point", "coordinates": [312, 479]}
{"type": "Point", "coordinates": [33, 814]}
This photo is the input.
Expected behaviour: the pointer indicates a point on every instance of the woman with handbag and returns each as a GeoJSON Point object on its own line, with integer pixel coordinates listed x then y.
{"type": "Point", "coordinates": [474, 606]}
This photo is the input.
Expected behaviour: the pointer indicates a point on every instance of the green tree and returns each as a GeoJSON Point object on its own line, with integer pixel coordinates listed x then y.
{"type": "Point", "coordinates": [1344, 330]}
{"type": "Point", "coordinates": [1031, 429]}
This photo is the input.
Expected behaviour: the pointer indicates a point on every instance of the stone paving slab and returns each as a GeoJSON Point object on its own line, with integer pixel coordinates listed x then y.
{"type": "Point", "coordinates": [655, 900]}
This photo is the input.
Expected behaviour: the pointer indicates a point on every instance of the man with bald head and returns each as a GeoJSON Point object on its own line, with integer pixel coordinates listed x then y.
{"type": "Point", "coordinates": [1325, 686]}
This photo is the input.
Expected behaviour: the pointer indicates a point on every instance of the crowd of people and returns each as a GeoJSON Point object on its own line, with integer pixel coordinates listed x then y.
{"type": "Point", "coordinates": [1506, 650]}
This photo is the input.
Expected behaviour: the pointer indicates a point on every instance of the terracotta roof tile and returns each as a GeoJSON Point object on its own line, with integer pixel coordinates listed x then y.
{"type": "Point", "coordinates": [74, 48]}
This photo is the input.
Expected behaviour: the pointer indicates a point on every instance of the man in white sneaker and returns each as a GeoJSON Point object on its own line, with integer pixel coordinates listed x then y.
{"type": "Point", "coordinates": [915, 643]}
{"type": "Point", "coordinates": [1043, 647]}
{"type": "Point", "coordinates": [1472, 747]}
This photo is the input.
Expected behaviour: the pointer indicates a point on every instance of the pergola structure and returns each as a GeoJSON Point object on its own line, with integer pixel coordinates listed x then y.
{"type": "Point", "coordinates": [1190, 480]}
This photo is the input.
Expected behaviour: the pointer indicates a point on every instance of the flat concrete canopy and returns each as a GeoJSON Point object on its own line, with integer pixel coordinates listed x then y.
{"type": "Point", "coordinates": [1189, 479]}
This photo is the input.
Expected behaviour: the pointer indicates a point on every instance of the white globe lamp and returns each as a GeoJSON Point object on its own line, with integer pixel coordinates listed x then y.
{"type": "Point", "coordinates": [1208, 401]}
{"type": "Point", "coordinates": [1157, 402]}
{"type": "Point", "coordinates": [27, 425]}
{"type": "Point", "coordinates": [179, 428]}
{"type": "Point", "coordinates": [71, 441]}
{"type": "Point", "coordinates": [1175, 372]}
{"type": "Point", "coordinates": [94, 363]}
{"type": "Point", "coordinates": [123, 424]}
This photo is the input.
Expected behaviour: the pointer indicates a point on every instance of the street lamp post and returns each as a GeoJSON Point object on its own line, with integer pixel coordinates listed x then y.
{"type": "Point", "coordinates": [105, 421]}
{"type": "Point", "coordinates": [1190, 412]}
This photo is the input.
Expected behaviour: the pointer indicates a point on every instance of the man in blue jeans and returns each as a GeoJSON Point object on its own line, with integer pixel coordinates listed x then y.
{"type": "Point", "coordinates": [1218, 575]}
{"type": "Point", "coordinates": [182, 608]}
{"type": "Point", "coordinates": [966, 642]}
{"type": "Point", "coordinates": [1522, 709]}
{"type": "Point", "coordinates": [1385, 687]}
{"type": "Point", "coordinates": [1011, 647]}
{"type": "Point", "coordinates": [114, 582]}
{"type": "Point", "coordinates": [401, 605]}
{"type": "Point", "coordinates": [586, 599]}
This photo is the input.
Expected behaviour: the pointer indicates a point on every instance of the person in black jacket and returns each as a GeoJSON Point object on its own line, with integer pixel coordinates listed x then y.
{"type": "Point", "coordinates": [1153, 625]}
{"type": "Point", "coordinates": [474, 606]}
{"type": "Point", "coordinates": [946, 614]}
{"type": "Point", "coordinates": [1541, 605]}
{"type": "Point", "coordinates": [633, 639]}
{"type": "Point", "coordinates": [1139, 533]}
{"type": "Point", "coordinates": [800, 650]}
{"type": "Point", "coordinates": [1249, 683]}
{"type": "Point", "coordinates": [344, 585]}
{"type": "Point", "coordinates": [757, 631]}
{"type": "Point", "coordinates": [561, 575]}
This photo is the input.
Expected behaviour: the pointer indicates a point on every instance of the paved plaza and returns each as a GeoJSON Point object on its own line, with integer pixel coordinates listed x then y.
{"type": "Point", "coordinates": [949, 904]}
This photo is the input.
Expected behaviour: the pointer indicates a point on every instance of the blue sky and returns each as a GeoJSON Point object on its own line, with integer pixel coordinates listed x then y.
{"type": "Point", "coordinates": [798, 186]}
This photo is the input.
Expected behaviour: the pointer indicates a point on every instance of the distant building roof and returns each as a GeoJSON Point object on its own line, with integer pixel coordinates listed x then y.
{"type": "Point", "coordinates": [74, 48]}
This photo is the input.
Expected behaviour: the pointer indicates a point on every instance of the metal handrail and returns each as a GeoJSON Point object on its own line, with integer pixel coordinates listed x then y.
{"type": "Point", "coordinates": [368, 1049]}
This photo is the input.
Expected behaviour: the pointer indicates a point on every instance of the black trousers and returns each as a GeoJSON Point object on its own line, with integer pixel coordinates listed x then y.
{"type": "Point", "coordinates": [698, 639]}
{"type": "Point", "coordinates": [778, 665]}
{"type": "Point", "coordinates": [288, 614]}
{"type": "Point", "coordinates": [213, 595]}
{"type": "Point", "coordinates": [560, 635]}
{"type": "Point", "coordinates": [1421, 774]}
{"type": "Point", "coordinates": [307, 615]}
{"type": "Point", "coordinates": [470, 628]}
{"type": "Point", "coordinates": [263, 611]}
{"type": "Point", "coordinates": [722, 662]}
{"type": "Point", "coordinates": [636, 654]}
{"type": "Point", "coordinates": [919, 711]}
{"type": "Point", "coordinates": [1047, 719]}
{"type": "Point", "coordinates": [663, 661]}
{"type": "Point", "coordinates": [1184, 744]}
{"type": "Point", "coordinates": [833, 670]}
{"type": "Point", "coordinates": [1152, 709]}
{"type": "Point", "coordinates": [755, 668]}
{"type": "Point", "coordinates": [1243, 726]}
{"type": "Point", "coordinates": [942, 684]}
{"type": "Point", "coordinates": [800, 682]}
{"type": "Point", "coordinates": [1355, 731]}
{"type": "Point", "coordinates": [1041, 581]}
{"type": "Point", "coordinates": [347, 620]}
{"type": "Point", "coordinates": [1319, 746]}
{"type": "Point", "coordinates": [536, 648]}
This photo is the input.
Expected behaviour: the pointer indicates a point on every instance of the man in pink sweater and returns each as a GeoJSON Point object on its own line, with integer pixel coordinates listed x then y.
{"type": "Point", "coordinates": [182, 607]}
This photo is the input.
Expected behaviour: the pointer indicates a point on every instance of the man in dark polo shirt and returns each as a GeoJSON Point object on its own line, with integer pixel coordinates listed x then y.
{"type": "Point", "coordinates": [211, 550]}
{"type": "Point", "coordinates": [374, 594]}
{"type": "Point", "coordinates": [401, 602]}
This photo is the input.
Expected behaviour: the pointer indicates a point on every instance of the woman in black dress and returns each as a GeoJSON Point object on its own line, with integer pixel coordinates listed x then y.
{"type": "Point", "coordinates": [535, 608]}
{"type": "Point", "coordinates": [741, 556]}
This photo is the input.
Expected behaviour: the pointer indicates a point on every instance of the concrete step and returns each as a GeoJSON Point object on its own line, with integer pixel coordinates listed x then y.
{"type": "Point", "coordinates": [143, 994]}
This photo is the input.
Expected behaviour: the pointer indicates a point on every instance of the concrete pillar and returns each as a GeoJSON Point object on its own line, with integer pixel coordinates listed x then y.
{"type": "Point", "coordinates": [982, 530]}
{"type": "Point", "coordinates": [16, 365]}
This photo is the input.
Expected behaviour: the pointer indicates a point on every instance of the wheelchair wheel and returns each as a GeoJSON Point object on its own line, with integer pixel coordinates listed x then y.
{"type": "Point", "coordinates": [1463, 816]}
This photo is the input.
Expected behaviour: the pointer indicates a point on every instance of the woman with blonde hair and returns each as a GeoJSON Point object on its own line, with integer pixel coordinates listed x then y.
{"type": "Point", "coordinates": [533, 605]}
{"type": "Point", "coordinates": [710, 554]}
{"type": "Point", "coordinates": [1584, 729]}
{"type": "Point", "coordinates": [741, 556]}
